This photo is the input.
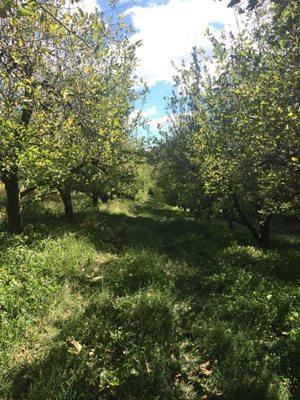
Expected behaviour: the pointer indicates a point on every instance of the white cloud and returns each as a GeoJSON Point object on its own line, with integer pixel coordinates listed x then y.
{"type": "Point", "coordinates": [148, 116]}
{"type": "Point", "coordinates": [85, 5]}
{"type": "Point", "coordinates": [144, 114]}
{"type": "Point", "coordinates": [149, 112]}
{"type": "Point", "coordinates": [158, 121]}
{"type": "Point", "coordinates": [169, 31]}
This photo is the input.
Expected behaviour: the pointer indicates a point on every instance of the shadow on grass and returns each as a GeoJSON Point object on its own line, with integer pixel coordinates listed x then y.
{"type": "Point", "coordinates": [154, 226]}
{"type": "Point", "coordinates": [115, 350]}
{"type": "Point", "coordinates": [124, 345]}
{"type": "Point", "coordinates": [159, 228]}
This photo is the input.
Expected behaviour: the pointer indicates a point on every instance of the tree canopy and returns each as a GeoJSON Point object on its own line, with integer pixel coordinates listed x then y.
{"type": "Point", "coordinates": [234, 126]}
{"type": "Point", "coordinates": [67, 92]}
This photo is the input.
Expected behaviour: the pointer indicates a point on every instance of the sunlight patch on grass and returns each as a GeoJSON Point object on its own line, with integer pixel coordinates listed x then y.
{"type": "Point", "coordinates": [37, 339]}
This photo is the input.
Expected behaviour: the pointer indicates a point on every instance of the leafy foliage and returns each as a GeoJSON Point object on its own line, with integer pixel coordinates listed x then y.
{"type": "Point", "coordinates": [66, 98]}
{"type": "Point", "coordinates": [235, 130]}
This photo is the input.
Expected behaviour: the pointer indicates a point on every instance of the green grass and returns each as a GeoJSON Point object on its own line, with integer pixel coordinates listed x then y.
{"type": "Point", "coordinates": [141, 301]}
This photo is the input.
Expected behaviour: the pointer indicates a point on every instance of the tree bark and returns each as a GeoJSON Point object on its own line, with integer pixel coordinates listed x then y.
{"type": "Point", "coordinates": [229, 219]}
{"type": "Point", "coordinates": [262, 234]}
{"type": "Point", "coordinates": [66, 197]}
{"type": "Point", "coordinates": [11, 178]}
{"type": "Point", "coordinates": [27, 191]}
{"type": "Point", "coordinates": [95, 198]}
{"type": "Point", "coordinates": [264, 230]}
{"type": "Point", "coordinates": [13, 207]}
{"type": "Point", "coordinates": [104, 198]}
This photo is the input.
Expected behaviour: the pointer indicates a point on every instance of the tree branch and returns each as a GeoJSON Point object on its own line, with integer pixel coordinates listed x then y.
{"type": "Point", "coordinates": [27, 191]}
{"type": "Point", "coordinates": [63, 25]}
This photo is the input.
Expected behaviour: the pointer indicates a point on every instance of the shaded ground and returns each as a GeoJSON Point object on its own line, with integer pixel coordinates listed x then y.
{"type": "Point", "coordinates": [141, 301]}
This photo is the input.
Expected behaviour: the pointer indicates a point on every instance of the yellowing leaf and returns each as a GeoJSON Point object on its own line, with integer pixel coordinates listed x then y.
{"type": "Point", "coordinates": [74, 347]}
{"type": "Point", "coordinates": [88, 70]}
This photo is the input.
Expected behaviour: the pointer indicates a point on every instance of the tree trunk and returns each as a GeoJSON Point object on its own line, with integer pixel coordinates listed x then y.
{"type": "Point", "coordinates": [13, 207]}
{"type": "Point", "coordinates": [229, 219]}
{"type": "Point", "coordinates": [11, 178]}
{"type": "Point", "coordinates": [262, 234]}
{"type": "Point", "coordinates": [66, 197]}
{"type": "Point", "coordinates": [104, 198]}
{"type": "Point", "coordinates": [264, 231]}
{"type": "Point", "coordinates": [95, 198]}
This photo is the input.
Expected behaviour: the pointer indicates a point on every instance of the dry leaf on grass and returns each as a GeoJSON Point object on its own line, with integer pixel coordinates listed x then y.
{"type": "Point", "coordinates": [74, 346]}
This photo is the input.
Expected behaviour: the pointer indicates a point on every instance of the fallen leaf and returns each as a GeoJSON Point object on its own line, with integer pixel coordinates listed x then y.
{"type": "Point", "coordinates": [74, 346]}
{"type": "Point", "coordinates": [206, 368]}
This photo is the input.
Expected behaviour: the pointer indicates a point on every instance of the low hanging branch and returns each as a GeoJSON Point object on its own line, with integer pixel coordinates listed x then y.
{"type": "Point", "coordinates": [39, 197]}
{"type": "Point", "coordinates": [92, 161]}
{"type": "Point", "coordinates": [27, 191]}
{"type": "Point", "coordinates": [63, 25]}
{"type": "Point", "coordinates": [73, 170]}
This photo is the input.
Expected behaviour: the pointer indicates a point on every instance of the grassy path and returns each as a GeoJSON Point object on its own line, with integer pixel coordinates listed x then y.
{"type": "Point", "coordinates": [140, 301]}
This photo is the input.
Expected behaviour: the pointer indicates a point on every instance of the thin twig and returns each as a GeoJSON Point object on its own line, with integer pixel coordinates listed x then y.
{"type": "Point", "coordinates": [64, 26]}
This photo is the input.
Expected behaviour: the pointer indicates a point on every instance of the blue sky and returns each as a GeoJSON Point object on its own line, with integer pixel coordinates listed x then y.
{"type": "Point", "coordinates": [169, 29]}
